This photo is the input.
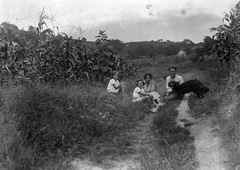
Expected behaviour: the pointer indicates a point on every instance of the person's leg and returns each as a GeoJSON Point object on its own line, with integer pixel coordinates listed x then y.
{"type": "Point", "coordinates": [158, 102]}
{"type": "Point", "coordinates": [161, 100]}
{"type": "Point", "coordinates": [155, 97]}
{"type": "Point", "coordinates": [152, 105]}
{"type": "Point", "coordinates": [149, 101]}
{"type": "Point", "coordinates": [154, 94]}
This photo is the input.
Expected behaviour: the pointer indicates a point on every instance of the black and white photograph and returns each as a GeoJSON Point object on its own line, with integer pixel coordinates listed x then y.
{"type": "Point", "coordinates": [119, 84]}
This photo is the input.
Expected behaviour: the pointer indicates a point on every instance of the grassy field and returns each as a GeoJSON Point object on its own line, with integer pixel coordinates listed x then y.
{"type": "Point", "coordinates": [43, 122]}
{"type": "Point", "coordinates": [46, 127]}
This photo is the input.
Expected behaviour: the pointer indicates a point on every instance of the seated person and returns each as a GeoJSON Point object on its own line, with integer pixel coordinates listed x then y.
{"type": "Point", "coordinates": [139, 94]}
{"type": "Point", "coordinates": [150, 88]}
{"type": "Point", "coordinates": [170, 94]}
{"type": "Point", "coordinates": [115, 87]}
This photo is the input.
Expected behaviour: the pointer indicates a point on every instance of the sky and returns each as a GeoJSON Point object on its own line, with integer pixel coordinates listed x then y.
{"type": "Point", "coordinates": [126, 20]}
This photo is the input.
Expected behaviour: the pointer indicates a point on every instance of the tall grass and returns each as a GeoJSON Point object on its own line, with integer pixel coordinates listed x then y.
{"type": "Point", "coordinates": [227, 119]}
{"type": "Point", "coordinates": [174, 147]}
{"type": "Point", "coordinates": [42, 122]}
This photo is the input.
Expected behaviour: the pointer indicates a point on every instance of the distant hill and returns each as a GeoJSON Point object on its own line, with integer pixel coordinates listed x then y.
{"type": "Point", "coordinates": [145, 48]}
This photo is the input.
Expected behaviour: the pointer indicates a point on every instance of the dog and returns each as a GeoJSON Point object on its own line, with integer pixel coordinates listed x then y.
{"type": "Point", "coordinates": [194, 86]}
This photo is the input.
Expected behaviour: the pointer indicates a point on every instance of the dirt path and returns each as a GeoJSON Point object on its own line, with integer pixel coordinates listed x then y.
{"type": "Point", "coordinates": [143, 143]}
{"type": "Point", "coordinates": [209, 153]}
{"type": "Point", "coordinates": [208, 147]}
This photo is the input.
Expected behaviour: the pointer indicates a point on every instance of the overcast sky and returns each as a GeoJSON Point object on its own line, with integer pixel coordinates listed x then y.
{"type": "Point", "coordinates": [127, 20]}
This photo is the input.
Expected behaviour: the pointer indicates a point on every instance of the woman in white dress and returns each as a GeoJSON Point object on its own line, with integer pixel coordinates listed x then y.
{"type": "Point", "coordinates": [150, 88]}
{"type": "Point", "coordinates": [139, 95]}
{"type": "Point", "coordinates": [114, 86]}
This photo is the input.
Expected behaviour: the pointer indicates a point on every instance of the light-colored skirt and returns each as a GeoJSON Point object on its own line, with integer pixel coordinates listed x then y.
{"type": "Point", "coordinates": [140, 98]}
{"type": "Point", "coordinates": [154, 94]}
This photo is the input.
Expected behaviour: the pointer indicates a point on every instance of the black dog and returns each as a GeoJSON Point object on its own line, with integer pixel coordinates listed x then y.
{"type": "Point", "coordinates": [189, 86]}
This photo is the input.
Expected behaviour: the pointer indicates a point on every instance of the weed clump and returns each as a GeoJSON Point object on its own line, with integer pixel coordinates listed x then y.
{"type": "Point", "coordinates": [49, 121]}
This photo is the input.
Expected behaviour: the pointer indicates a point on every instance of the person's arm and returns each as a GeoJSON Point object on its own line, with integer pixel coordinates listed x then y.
{"type": "Point", "coordinates": [167, 82]}
{"type": "Point", "coordinates": [117, 86]}
{"type": "Point", "coordinates": [181, 80]}
{"type": "Point", "coordinates": [168, 89]}
{"type": "Point", "coordinates": [143, 93]}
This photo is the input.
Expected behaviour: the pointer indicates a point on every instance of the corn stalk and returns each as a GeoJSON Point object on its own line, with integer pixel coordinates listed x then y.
{"type": "Point", "coordinates": [60, 59]}
{"type": "Point", "coordinates": [226, 44]}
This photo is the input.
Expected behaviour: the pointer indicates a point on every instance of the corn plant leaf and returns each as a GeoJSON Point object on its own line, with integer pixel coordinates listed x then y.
{"type": "Point", "coordinates": [49, 31]}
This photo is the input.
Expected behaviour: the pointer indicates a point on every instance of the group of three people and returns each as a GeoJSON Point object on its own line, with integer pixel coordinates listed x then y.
{"type": "Point", "coordinates": [146, 89]}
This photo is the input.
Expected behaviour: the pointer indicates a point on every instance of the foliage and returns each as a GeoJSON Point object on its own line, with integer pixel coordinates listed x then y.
{"type": "Point", "coordinates": [226, 40]}
{"type": "Point", "coordinates": [208, 45]}
{"type": "Point", "coordinates": [187, 41]}
{"type": "Point", "coordinates": [204, 49]}
{"type": "Point", "coordinates": [188, 50]}
{"type": "Point", "coordinates": [47, 58]}
{"type": "Point", "coordinates": [117, 44]}
{"type": "Point", "coordinates": [227, 118]}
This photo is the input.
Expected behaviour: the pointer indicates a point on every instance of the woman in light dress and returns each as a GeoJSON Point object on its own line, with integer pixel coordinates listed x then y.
{"type": "Point", "coordinates": [139, 95]}
{"type": "Point", "coordinates": [150, 88]}
{"type": "Point", "coordinates": [114, 86]}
